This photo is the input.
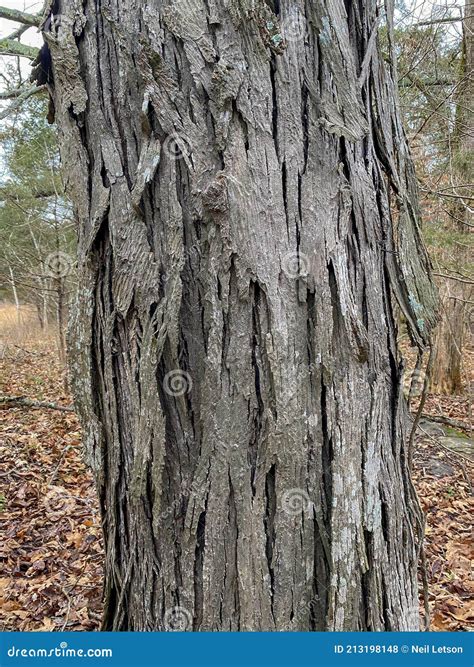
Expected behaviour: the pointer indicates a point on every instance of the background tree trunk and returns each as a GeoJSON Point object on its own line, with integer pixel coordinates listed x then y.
{"type": "Point", "coordinates": [450, 334]}
{"type": "Point", "coordinates": [233, 347]}
{"type": "Point", "coordinates": [60, 317]}
{"type": "Point", "coordinates": [446, 375]}
{"type": "Point", "coordinates": [463, 135]}
{"type": "Point", "coordinates": [15, 295]}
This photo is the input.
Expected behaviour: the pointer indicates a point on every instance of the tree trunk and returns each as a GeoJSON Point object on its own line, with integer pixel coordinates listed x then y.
{"type": "Point", "coordinates": [45, 317]}
{"type": "Point", "coordinates": [15, 296]}
{"type": "Point", "coordinates": [446, 373]}
{"type": "Point", "coordinates": [448, 343]}
{"type": "Point", "coordinates": [462, 142]}
{"type": "Point", "coordinates": [234, 354]}
{"type": "Point", "coordinates": [41, 296]}
{"type": "Point", "coordinates": [60, 318]}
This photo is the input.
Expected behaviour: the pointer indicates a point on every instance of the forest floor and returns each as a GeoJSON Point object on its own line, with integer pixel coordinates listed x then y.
{"type": "Point", "coordinates": [50, 537]}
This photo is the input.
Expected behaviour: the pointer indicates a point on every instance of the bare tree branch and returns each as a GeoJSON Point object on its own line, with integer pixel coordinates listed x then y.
{"type": "Point", "coordinates": [433, 82]}
{"type": "Point", "coordinates": [418, 83]}
{"type": "Point", "coordinates": [451, 93]}
{"type": "Point", "coordinates": [459, 280]}
{"type": "Point", "coordinates": [448, 19]}
{"type": "Point", "coordinates": [20, 98]}
{"type": "Point", "coordinates": [16, 34]}
{"type": "Point", "coordinates": [18, 92]}
{"type": "Point", "coordinates": [6, 194]}
{"type": "Point", "coordinates": [22, 401]}
{"type": "Point", "coordinates": [456, 298]}
{"type": "Point", "coordinates": [9, 47]}
{"type": "Point", "coordinates": [441, 419]}
{"type": "Point", "coordinates": [439, 193]}
{"type": "Point", "coordinates": [19, 17]}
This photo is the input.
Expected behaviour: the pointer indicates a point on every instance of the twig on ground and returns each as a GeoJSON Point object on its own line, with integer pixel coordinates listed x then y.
{"type": "Point", "coordinates": [22, 401]}
{"type": "Point", "coordinates": [454, 423]}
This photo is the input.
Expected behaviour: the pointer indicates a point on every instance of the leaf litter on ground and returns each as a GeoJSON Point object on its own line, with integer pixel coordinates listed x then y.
{"type": "Point", "coordinates": [51, 549]}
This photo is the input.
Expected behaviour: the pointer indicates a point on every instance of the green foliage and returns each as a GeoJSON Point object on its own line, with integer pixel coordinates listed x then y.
{"type": "Point", "coordinates": [463, 162]}
{"type": "Point", "coordinates": [35, 215]}
{"type": "Point", "coordinates": [450, 248]}
{"type": "Point", "coordinates": [447, 237]}
{"type": "Point", "coordinates": [452, 432]}
{"type": "Point", "coordinates": [30, 153]}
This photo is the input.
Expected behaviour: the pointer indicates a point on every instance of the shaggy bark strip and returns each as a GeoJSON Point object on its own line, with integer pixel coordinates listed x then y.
{"type": "Point", "coordinates": [235, 167]}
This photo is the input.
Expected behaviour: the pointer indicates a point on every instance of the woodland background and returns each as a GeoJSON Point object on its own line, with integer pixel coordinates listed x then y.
{"type": "Point", "coordinates": [51, 552]}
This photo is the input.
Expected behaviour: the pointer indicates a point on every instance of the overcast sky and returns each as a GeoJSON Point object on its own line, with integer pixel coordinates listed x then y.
{"type": "Point", "coordinates": [32, 35]}
{"type": "Point", "coordinates": [416, 10]}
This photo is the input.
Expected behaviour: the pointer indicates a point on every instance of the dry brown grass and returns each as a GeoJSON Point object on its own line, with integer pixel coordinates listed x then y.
{"type": "Point", "coordinates": [21, 329]}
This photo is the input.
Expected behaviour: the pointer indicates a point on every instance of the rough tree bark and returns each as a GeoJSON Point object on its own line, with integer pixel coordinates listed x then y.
{"type": "Point", "coordinates": [233, 166]}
